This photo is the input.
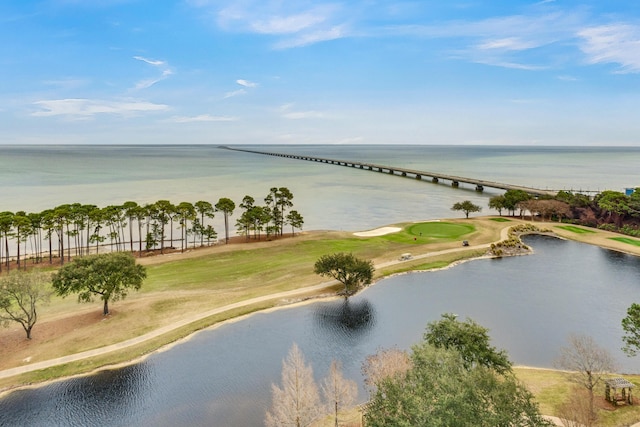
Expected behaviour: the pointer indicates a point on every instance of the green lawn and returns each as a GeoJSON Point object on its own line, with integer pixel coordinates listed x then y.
{"type": "Point", "coordinates": [626, 240]}
{"type": "Point", "coordinates": [575, 229]}
{"type": "Point", "coordinates": [500, 219]}
{"type": "Point", "coordinates": [440, 230]}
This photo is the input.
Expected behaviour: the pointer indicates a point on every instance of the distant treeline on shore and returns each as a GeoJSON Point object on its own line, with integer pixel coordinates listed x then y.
{"type": "Point", "coordinates": [77, 229]}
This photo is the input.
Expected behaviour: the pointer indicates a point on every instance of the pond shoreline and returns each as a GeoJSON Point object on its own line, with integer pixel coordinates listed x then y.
{"type": "Point", "coordinates": [280, 301]}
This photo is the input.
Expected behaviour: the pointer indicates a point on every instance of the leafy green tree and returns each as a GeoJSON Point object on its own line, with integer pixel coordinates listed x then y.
{"type": "Point", "coordinates": [96, 218]}
{"type": "Point", "coordinates": [245, 222]}
{"type": "Point", "coordinates": [631, 327]}
{"type": "Point", "coordinates": [615, 203]}
{"type": "Point", "coordinates": [295, 219]}
{"type": "Point", "coordinates": [131, 209]}
{"type": "Point", "coordinates": [513, 197]}
{"type": "Point", "coordinates": [60, 215]}
{"type": "Point", "coordinates": [6, 225]}
{"type": "Point", "coordinates": [470, 340]}
{"type": "Point", "coordinates": [185, 212]}
{"type": "Point", "coordinates": [467, 207]}
{"type": "Point", "coordinates": [48, 225]}
{"type": "Point", "coordinates": [226, 206]}
{"type": "Point", "coordinates": [20, 293]}
{"type": "Point", "coordinates": [634, 203]}
{"type": "Point", "coordinates": [162, 214]}
{"type": "Point", "coordinates": [36, 233]}
{"type": "Point", "coordinates": [440, 389]}
{"type": "Point", "coordinates": [497, 203]}
{"type": "Point", "coordinates": [352, 272]}
{"type": "Point", "coordinates": [204, 209]}
{"type": "Point", "coordinates": [21, 230]}
{"type": "Point", "coordinates": [283, 202]}
{"type": "Point", "coordinates": [109, 276]}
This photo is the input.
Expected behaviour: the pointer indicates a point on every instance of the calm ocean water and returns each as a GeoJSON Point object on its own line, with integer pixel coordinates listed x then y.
{"type": "Point", "coordinates": [34, 178]}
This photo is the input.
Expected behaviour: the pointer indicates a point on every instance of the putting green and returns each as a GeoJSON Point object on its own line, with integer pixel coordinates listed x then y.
{"type": "Point", "coordinates": [440, 229]}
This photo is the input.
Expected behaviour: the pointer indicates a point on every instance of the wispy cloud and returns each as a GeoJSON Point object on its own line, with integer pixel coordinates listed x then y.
{"type": "Point", "coordinates": [290, 23]}
{"type": "Point", "coordinates": [246, 83]}
{"type": "Point", "coordinates": [233, 93]}
{"type": "Point", "coordinates": [202, 118]}
{"type": "Point", "coordinates": [287, 112]}
{"type": "Point", "coordinates": [154, 62]}
{"type": "Point", "coordinates": [509, 41]}
{"type": "Point", "coordinates": [146, 83]}
{"type": "Point", "coordinates": [613, 44]}
{"type": "Point", "coordinates": [85, 108]}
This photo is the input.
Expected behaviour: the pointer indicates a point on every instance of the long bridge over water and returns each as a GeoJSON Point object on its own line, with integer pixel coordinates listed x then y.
{"type": "Point", "coordinates": [434, 177]}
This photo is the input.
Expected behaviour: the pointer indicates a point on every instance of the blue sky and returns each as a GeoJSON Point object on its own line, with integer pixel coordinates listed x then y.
{"type": "Point", "coordinates": [548, 72]}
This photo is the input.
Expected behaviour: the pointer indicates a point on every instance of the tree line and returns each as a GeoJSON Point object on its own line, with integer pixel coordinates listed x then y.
{"type": "Point", "coordinates": [80, 229]}
{"type": "Point", "coordinates": [609, 210]}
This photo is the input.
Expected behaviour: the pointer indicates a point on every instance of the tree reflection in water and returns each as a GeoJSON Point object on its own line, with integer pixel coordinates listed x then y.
{"type": "Point", "coordinates": [346, 318]}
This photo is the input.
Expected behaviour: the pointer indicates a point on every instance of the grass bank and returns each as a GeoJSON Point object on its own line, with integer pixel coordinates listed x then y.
{"type": "Point", "coordinates": [180, 286]}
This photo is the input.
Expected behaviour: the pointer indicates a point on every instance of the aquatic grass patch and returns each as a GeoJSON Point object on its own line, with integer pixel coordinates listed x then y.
{"type": "Point", "coordinates": [626, 240]}
{"type": "Point", "coordinates": [575, 229]}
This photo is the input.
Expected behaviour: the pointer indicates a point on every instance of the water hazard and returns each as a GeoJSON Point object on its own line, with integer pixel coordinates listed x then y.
{"type": "Point", "coordinates": [222, 377]}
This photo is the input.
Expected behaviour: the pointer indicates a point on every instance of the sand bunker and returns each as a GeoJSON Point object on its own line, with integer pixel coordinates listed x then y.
{"type": "Point", "coordinates": [377, 232]}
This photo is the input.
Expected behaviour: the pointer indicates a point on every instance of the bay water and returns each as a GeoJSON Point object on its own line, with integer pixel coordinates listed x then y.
{"type": "Point", "coordinates": [222, 377]}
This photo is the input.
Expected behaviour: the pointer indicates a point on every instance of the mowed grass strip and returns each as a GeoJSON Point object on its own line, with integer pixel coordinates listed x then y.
{"type": "Point", "coordinates": [627, 240]}
{"type": "Point", "coordinates": [574, 229]}
{"type": "Point", "coordinates": [500, 219]}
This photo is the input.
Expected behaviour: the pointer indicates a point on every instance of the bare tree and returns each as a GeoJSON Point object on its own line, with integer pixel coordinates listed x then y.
{"type": "Point", "coordinates": [587, 363]}
{"type": "Point", "coordinates": [297, 403]}
{"type": "Point", "coordinates": [339, 392]}
{"type": "Point", "coordinates": [575, 411]}
{"type": "Point", "coordinates": [20, 292]}
{"type": "Point", "coordinates": [385, 363]}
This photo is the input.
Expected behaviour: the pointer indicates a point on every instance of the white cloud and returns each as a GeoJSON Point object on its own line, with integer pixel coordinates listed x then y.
{"type": "Point", "coordinates": [246, 83]}
{"type": "Point", "coordinates": [613, 44]}
{"type": "Point", "coordinates": [85, 108]}
{"type": "Point", "coordinates": [294, 23]}
{"type": "Point", "coordinates": [150, 61]}
{"type": "Point", "coordinates": [202, 118]}
{"type": "Point", "coordinates": [507, 44]}
{"type": "Point", "coordinates": [235, 93]}
{"type": "Point", "coordinates": [287, 24]}
{"type": "Point", "coordinates": [146, 83]}
{"type": "Point", "coordinates": [143, 84]}
{"type": "Point", "coordinates": [287, 113]}
{"type": "Point", "coordinates": [310, 38]}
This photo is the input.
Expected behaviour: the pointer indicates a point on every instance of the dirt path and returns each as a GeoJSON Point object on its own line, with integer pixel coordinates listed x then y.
{"type": "Point", "coordinates": [599, 238]}
{"type": "Point", "coordinates": [199, 316]}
